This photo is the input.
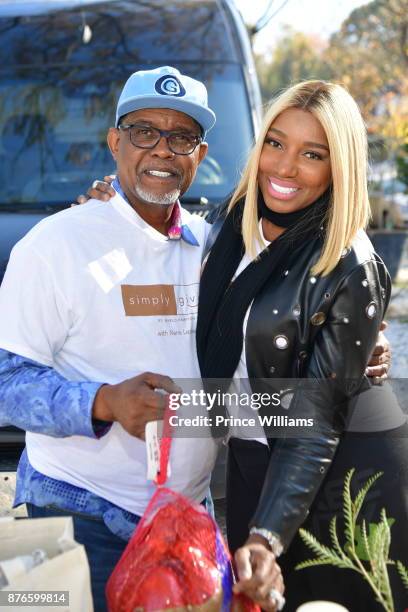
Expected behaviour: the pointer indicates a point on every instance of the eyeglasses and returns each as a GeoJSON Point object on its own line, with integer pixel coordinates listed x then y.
{"type": "Point", "coordinates": [147, 137]}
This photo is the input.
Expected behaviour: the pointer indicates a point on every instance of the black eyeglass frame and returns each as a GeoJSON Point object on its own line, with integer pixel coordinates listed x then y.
{"type": "Point", "coordinates": [161, 133]}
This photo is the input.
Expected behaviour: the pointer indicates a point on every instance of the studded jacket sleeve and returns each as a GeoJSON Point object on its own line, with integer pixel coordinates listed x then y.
{"type": "Point", "coordinates": [339, 354]}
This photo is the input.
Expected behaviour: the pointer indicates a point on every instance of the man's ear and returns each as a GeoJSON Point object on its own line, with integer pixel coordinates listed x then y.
{"type": "Point", "coordinates": [202, 151]}
{"type": "Point", "coordinates": [113, 138]}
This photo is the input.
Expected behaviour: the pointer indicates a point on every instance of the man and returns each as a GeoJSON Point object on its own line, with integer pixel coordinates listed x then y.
{"type": "Point", "coordinates": [93, 325]}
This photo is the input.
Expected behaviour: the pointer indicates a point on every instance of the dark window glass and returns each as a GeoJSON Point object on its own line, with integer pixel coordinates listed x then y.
{"type": "Point", "coordinates": [57, 103]}
{"type": "Point", "coordinates": [136, 31]}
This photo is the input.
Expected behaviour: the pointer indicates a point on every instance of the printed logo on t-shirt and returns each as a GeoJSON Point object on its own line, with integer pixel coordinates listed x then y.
{"type": "Point", "coordinates": [152, 300]}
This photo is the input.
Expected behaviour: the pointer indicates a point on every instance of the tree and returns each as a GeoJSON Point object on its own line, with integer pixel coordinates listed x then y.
{"type": "Point", "coordinates": [370, 56]}
{"type": "Point", "coordinates": [296, 57]}
{"type": "Point", "coordinates": [402, 166]}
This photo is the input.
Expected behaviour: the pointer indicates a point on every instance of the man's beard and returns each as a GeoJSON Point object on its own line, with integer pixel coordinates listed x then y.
{"type": "Point", "coordinates": [165, 199]}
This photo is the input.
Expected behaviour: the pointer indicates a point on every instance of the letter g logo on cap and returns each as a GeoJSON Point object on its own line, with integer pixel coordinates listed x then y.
{"type": "Point", "coordinates": [169, 86]}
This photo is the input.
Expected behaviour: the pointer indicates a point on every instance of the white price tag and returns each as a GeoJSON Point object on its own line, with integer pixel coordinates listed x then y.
{"type": "Point", "coordinates": [153, 434]}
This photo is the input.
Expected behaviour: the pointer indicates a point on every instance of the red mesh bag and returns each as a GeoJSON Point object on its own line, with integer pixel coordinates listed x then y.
{"type": "Point", "coordinates": [176, 559]}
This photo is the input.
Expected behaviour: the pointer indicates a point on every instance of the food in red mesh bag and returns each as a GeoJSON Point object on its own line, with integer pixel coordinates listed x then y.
{"type": "Point", "coordinates": [176, 559]}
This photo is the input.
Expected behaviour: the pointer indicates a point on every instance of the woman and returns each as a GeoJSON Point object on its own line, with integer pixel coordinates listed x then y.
{"type": "Point", "coordinates": [316, 293]}
{"type": "Point", "coordinates": [293, 289]}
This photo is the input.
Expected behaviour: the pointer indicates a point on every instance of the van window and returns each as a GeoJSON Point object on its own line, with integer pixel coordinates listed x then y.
{"type": "Point", "coordinates": [53, 135]}
{"type": "Point", "coordinates": [58, 93]}
{"type": "Point", "coordinates": [136, 31]}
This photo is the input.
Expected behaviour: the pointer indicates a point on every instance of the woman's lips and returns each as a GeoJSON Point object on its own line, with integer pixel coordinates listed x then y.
{"type": "Point", "coordinates": [282, 190]}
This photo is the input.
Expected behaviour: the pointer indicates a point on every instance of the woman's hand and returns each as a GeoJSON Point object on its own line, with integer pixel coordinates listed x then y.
{"type": "Point", "coordinates": [259, 574]}
{"type": "Point", "coordinates": [380, 359]}
{"type": "Point", "coordinates": [99, 190]}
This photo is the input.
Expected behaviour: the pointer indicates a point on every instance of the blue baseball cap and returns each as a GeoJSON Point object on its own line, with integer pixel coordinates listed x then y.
{"type": "Point", "coordinates": [166, 87]}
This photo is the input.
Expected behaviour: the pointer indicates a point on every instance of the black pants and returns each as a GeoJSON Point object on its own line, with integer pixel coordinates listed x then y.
{"type": "Point", "coordinates": [367, 453]}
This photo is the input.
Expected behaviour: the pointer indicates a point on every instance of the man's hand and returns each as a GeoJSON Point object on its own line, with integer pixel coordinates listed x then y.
{"type": "Point", "coordinates": [134, 402]}
{"type": "Point", "coordinates": [380, 361]}
{"type": "Point", "coordinates": [258, 573]}
{"type": "Point", "coordinates": [99, 190]}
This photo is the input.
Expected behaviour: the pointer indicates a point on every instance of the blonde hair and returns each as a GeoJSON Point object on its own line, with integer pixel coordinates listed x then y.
{"type": "Point", "coordinates": [349, 208]}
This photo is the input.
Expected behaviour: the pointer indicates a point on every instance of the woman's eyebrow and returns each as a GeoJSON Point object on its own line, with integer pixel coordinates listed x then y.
{"type": "Point", "coordinates": [272, 129]}
{"type": "Point", "coordinates": [317, 145]}
{"type": "Point", "coordinates": [307, 143]}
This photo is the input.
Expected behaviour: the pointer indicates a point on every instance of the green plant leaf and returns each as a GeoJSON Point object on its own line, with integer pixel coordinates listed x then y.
{"type": "Point", "coordinates": [313, 543]}
{"type": "Point", "coordinates": [324, 553]}
{"type": "Point", "coordinates": [386, 534]}
{"type": "Point", "coordinates": [364, 541]}
{"type": "Point", "coordinates": [383, 578]}
{"type": "Point", "coordinates": [358, 502]}
{"type": "Point", "coordinates": [376, 549]}
{"type": "Point", "coordinates": [403, 572]}
{"type": "Point", "coordinates": [334, 537]}
{"type": "Point", "coordinates": [314, 562]}
{"type": "Point", "coordinates": [348, 511]}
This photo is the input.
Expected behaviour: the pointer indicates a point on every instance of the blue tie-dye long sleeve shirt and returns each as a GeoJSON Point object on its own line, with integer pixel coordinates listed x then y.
{"type": "Point", "coordinates": [36, 398]}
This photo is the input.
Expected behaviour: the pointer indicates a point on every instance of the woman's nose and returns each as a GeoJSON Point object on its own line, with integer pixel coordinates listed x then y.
{"type": "Point", "coordinates": [287, 166]}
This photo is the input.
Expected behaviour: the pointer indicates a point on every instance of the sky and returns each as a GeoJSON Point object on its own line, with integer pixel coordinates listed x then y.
{"type": "Point", "coordinates": [322, 17]}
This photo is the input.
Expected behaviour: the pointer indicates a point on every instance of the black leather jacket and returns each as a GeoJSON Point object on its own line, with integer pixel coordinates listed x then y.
{"type": "Point", "coordinates": [300, 326]}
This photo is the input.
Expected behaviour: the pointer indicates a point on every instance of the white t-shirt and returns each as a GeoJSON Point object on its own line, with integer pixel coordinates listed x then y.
{"type": "Point", "coordinates": [240, 383]}
{"type": "Point", "coordinates": [99, 295]}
